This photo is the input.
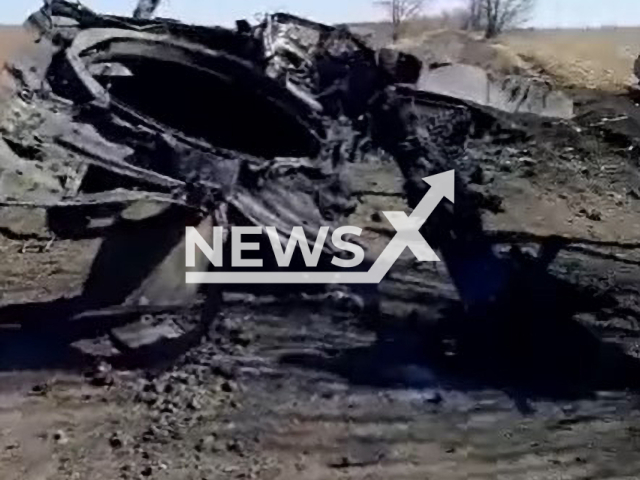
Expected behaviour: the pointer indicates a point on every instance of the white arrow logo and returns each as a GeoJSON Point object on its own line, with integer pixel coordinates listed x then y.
{"type": "Point", "coordinates": [408, 236]}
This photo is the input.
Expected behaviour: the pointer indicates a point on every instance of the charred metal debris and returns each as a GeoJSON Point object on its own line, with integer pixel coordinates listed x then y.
{"type": "Point", "coordinates": [154, 125]}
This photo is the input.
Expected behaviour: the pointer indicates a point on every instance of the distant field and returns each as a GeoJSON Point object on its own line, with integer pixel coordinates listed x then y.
{"type": "Point", "coordinates": [592, 58]}
{"type": "Point", "coordinates": [585, 58]}
{"type": "Point", "coordinates": [12, 39]}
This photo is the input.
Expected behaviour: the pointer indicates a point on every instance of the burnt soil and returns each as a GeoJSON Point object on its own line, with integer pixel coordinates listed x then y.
{"type": "Point", "coordinates": [313, 386]}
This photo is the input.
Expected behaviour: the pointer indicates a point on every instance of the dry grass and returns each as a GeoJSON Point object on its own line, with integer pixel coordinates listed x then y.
{"type": "Point", "coordinates": [582, 58]}
{"type": "Point", "coordinates": [590, 58]}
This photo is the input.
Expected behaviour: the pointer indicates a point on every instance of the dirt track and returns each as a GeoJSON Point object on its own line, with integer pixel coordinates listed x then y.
{"type": "Point", "coordinates": [296, 389]}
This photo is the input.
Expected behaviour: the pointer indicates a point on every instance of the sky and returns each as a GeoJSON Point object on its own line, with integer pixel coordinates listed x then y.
{"type": "Point", "coordinates": [548, 13]}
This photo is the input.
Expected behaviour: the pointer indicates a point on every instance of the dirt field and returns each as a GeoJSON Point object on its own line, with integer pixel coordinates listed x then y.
{"type": "Point", "coordinates": [301, 388]}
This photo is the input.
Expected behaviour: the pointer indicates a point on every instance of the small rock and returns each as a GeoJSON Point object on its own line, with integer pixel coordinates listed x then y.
{"type": "Point", "coordinates": [206, 444]}
{"type": "Point", "coordinates": [146, 471]}
{"type": "Point", "coordinates": [116, 441]}
{"type": "Point", "coordinates": [241, 338]}
{"type": "Point", "coordinates": [344, 462]}
{"type": "Point", "coordinates": [505, 167]}
{"type": "Point", "coordinates": [156, 386]}
{"type": "Point", "coordinates": [41, 390]}
{"type": "Point", "coordinates": [592, 214]}
{"type": "Point", "coordinates": [102, 380]}
{"type": "Point", "coordinates": [376, 217]}
{"type": "Point", "coordinates": [235, 446]}
{"type": "Point", "coordinates": [60, 437]}
{"type": "Point", "coordinates": [492, 203]}
{"type": "Point", "coordinates": [224, 371]}
{"type": "Point", "coordinates": [151, 434]}
{"type": "Point", "coordinates": [168, 407]}
{"type": "Point", "coordinates": [595, 216]}
{"type": "Point", "coordinates": [527, 173]}
{"type": "Point", "coordinates": [433, 397]}
{"type": "Point", "coordinates": [480, 177]}
{"type": "Point", "coordinates": [227, 387]}
{"type": "Point", "coordinates": [148, 398]}
{"type": "Point", "coordinates": [194, 404]}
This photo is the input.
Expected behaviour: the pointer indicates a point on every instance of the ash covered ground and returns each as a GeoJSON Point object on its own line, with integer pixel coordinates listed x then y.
{"type": "Point", "coordinates": [396, 381]}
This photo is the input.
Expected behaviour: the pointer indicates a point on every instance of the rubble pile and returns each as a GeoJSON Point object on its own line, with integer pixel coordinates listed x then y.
{"type": "Point", "coordinates": [130, 129]}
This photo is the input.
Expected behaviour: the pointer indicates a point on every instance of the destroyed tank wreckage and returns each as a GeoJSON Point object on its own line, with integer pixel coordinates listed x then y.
{"type": "Point", "coordinates": [148, 126]}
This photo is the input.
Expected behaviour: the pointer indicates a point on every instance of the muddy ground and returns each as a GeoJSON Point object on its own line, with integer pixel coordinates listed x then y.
{"type": "Point", "coordinates": [298, 386]}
